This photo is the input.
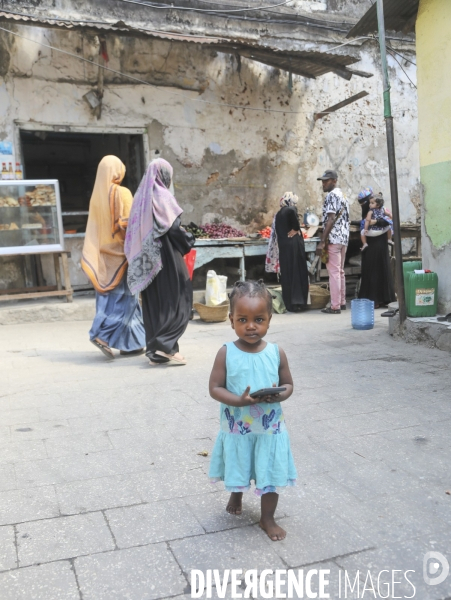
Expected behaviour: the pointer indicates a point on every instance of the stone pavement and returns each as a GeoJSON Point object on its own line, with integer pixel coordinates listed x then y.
{"type": "Point", "coordinates": [103, 487]}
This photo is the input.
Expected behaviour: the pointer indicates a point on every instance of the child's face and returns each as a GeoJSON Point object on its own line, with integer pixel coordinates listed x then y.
{"type": "Point", "coordinates": [250, 319]}
{"type": "Point", "coordinates": [373, 203]}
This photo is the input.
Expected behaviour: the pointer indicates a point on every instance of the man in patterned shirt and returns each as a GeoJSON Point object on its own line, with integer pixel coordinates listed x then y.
{"type": "Point", "coordinates": [335, 239]}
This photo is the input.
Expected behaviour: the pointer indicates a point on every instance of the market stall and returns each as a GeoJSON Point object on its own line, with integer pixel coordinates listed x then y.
{"type": "Point", "coordinates": [243, 246]}
{"type": "Point", "coordinates": [31, 226]}
{"type": "Point", "coordinates": [208, 250]}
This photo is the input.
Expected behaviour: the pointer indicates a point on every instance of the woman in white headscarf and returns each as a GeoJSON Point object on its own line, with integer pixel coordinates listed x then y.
{"type": "Point", "coordinates": [286, 254]}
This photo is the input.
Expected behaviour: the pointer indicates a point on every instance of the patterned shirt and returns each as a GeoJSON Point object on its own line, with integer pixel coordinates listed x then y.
{"type": "Point", "coordinates": [333, 203]}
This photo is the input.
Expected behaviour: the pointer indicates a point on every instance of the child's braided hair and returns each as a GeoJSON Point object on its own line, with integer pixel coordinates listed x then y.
{"type": "Point", "coordinates": [252, 289]}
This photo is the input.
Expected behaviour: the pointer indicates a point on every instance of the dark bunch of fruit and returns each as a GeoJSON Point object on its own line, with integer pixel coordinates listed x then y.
{"type": "Point", "coordinates": [197, 231]}
{"type": "Point", "coordinates": [221, 230]}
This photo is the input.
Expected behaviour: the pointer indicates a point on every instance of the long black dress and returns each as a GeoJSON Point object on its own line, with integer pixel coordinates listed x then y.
{"type": "Point", "coordinates": [293, 264]}
{"type": "Point", "coordinates": [376, 282]}
{"type": "Point", "coordinates": [167, 302]}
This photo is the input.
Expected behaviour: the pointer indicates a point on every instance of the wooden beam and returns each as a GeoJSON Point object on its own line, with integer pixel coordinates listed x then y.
{"type": "Point", "coordinates": [36, 295]}
{"type": "Point", "coordinates": [42, 288]}
{"type": "Point", "coordinates": [336, 107]}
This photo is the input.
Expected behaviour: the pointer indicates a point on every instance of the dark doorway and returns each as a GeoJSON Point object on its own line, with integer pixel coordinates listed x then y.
{"type": "Point", "coordinates": [72, 158]}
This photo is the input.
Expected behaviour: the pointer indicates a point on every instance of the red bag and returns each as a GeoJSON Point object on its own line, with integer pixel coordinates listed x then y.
{"type": "Point", "coordinates": [190, 260]}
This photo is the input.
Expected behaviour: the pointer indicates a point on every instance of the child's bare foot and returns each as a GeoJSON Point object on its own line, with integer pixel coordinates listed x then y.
{"type": "Point", "coordinates": [274, 531]}
{"type": "Point", "coordinates": [234, 505]}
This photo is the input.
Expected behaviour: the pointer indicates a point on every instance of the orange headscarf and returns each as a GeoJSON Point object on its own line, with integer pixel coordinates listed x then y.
{"type": "Point", "coordinates": [103, 259]}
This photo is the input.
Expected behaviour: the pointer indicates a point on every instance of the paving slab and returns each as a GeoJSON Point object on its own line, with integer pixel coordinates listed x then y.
{"type": "Point", "coordinates": [78, 444]}
{"type": "Point", "coordinates": [318, 536]}
{"type": "Point", "coordinates": [210, 511]}
{"type": "Point", "coordinates": [11, 452]}
{"type": "Point", "coordinates": [97, 494]}
{"type": "Point", "coordinates": [7, 477]}
{"type": "Point", "coordinates": [8, 555]}
{"type": "Point", "coordinates": [64, 537]}
{"type": "Point", "coordinates": [17, 506]}
{"type": "Point", "coordinates": [406, 559]}
{"type": "Point", "coordinates": [154, 485]}
{"type": "Point", "coordinates": [153, 522]}
{"type": "Point", "coordinates": [146, 573]}
{"type": "Point", "coordinates": [242, 548]}
{"type": "Point", "coordinates": [53, 581]}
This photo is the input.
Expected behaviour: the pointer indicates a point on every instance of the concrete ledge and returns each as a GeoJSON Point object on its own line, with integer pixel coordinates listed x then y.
{"type": "Point", "coordinates": [83, 308]}
{"type": "Point", "coordinates": [428, 333]}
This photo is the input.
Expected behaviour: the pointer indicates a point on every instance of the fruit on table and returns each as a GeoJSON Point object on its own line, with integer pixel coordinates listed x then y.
{"type": "Point", "coordinates": [197, 231]}
{"type": "Point", "coordinates": [221, 230]}
{"type": "Point", "coordinates": [265, 232]}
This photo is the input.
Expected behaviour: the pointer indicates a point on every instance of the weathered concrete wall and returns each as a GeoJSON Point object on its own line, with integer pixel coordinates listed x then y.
{"type": "Point", "coordinates": [434, 87]}
{"type": "Point", "coordinates": [229, 163]}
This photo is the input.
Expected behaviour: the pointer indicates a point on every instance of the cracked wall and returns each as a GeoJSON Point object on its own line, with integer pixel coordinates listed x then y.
{"type": "Point", "coordinates": [229, 163]}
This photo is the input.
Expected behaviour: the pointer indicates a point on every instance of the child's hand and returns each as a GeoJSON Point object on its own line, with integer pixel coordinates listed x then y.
{"type": "Point", "coordinates": [245, 399]}
{"type": "Point", "coordinates": [271, 397]}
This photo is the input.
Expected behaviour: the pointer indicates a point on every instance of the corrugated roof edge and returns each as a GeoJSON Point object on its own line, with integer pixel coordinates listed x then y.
{"type": "Point", "coordinates": [399, 16]}
{"type": "Point", "coordinates": [319, 62]}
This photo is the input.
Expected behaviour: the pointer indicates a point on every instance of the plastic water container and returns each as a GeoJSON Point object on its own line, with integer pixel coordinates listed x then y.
{"type": "Point", "coordinates": [421, 294]}
{"type": "Point", "coordinates": [408, 267]}
{"type": "Point", "coordinates": [362, 313]}
{"type": "Point", "coordinates": [411, 265]}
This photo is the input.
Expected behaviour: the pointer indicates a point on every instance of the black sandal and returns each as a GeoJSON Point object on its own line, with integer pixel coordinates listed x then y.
{"type": "Point", "coordinates": [106, 350]}
{"type": "Point", "coordinates": [445, 319]}
{"type": "Point", "coordinates": [390, 313]}
{"type": "Point", "coordinates": [331, 311]}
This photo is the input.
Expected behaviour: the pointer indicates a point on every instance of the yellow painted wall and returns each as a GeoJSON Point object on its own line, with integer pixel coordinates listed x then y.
{"type": "Point", "coordinates": [433, 31]}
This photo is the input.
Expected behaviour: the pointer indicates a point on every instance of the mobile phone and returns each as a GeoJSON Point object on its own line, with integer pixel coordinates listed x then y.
{"type": "Point", "coordinates": [268, 392]}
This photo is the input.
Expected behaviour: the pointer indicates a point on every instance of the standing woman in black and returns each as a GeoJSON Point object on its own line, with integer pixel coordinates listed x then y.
{"type": "Point", "coordinates": [376, 282]}
{"type": "Point", "coordinates": [286, 254]}
{"type": "Point", "coordinates": [155, 246]}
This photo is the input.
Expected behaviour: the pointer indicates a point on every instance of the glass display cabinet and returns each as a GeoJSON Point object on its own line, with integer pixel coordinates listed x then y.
{"type": "Point", "coordinates": [30, 217]}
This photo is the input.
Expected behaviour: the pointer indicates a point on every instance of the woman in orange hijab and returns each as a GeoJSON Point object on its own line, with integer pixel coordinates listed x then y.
{"type": "Point", "coordinates": [118, 321]}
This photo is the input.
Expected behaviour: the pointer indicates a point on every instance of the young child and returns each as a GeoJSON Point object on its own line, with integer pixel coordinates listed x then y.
{"type": "Point", "coordinates": [369, 227]}
{"type": "Point", "coordinates": [253, 442]}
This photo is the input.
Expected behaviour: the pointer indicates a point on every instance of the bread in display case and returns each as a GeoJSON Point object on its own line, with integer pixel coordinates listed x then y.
{"type": "Point", "coordinates": [30, 217]}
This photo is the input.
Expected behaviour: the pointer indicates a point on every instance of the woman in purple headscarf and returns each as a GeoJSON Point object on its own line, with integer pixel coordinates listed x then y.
{"type": "Point", "coordinates": [155, 245]}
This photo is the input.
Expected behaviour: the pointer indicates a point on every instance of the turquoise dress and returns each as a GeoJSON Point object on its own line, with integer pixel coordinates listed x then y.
{"type": "Point", "coordinates": [253, 442]}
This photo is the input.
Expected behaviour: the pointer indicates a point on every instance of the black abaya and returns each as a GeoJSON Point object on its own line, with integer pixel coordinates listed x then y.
{"type": "Point", "coordinates": [293, 264]}
{"type": "Point", "coordinates": [376, 282]}
{"type": "Point", "coordinates": [167, 302]}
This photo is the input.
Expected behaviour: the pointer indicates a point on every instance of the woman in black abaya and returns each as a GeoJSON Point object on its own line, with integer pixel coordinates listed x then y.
{"type": "Point", "coordinates": [155, 246]}
{"type": "Point", "coordinates": [376, 282]}
{"type": "Point", "coordinates": [286, 254]}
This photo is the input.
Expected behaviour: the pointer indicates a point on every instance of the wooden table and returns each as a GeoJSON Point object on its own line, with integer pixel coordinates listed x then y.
{"type": "Point", "coordinates": [47, 290]}
{"type": "Point", "coordinates": [208, 250]}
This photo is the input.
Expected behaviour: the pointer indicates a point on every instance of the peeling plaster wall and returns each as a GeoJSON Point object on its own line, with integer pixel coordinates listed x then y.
{"type": "Point", "coordinates": [229, 163]}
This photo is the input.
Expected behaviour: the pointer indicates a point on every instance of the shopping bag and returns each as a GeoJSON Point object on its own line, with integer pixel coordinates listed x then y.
{"type": "Point", "coordinates": [278, 305]}
{"type": "Point", "coordinates": [190, 261]}
{"type": "Point", "coordinates": [216, 291]}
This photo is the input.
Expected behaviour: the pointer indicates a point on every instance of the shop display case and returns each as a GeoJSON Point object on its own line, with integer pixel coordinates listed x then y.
{"type": "Point", "coordinates": [30, 217]}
